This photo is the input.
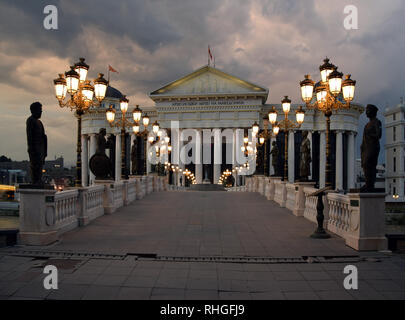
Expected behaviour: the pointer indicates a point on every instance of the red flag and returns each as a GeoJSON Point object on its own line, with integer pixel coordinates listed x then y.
{"type": "Point", "coordinates": [209, 52]}
{"type": "Point", "coordinates": [112, 69]}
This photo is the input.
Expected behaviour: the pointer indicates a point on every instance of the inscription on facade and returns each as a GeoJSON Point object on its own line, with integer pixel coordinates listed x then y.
{"type": "Point", "coordinates": [208, 103]}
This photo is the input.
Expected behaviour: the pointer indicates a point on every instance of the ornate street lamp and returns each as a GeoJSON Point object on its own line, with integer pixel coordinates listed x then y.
{"type": "Point", "coordinates": [82, 94]}
{"type": "Point", "coordinates": [327, 93]}
{"type": "Point", "coordinates": [265, 135]}
{"type": "Point", "coordinates": [122, 123]}
{"type": "Point", "coordinates": [286, 125]}
{"type": "Point", "coordinates": [137, 115]}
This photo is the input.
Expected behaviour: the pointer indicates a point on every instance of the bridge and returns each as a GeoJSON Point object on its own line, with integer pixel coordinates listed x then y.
{"type": "Point", "coordinates": [153, 242]}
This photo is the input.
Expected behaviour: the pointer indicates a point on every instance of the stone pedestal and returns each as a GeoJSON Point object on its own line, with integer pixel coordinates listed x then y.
{"type": "Point", "coordinates": [261, 184]}
{"type": "Point", "coordinates": [367, 222]}
{"type": "Point", "coordinates": [272, 187]}
{"type": "Point", "coordinates": [37, 217]}
{"type": "Point", "coordinates": [138, 186]}
{"type": "Point", "coordinates": [299, 206]}
{"type": "Point", "coordinates": [280, 194]}
{"type": "Point", "coordinates": [125, 193]}
{"type": "Point", "coordinates": [108, 200]}
{"type": "Point", "coordinates": [149, 184]}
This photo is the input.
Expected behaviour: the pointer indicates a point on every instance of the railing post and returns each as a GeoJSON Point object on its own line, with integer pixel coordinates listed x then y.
{"type": "Point", "coordinates": [125, 193]}
{"type": "Point", "coordinates": [367, 221]}
{"type": "Point", "coordinates": [37, 217]}
{"type": "Point", "coordinates": [299, 207]}
{"type": "Point", "coordinates": [82, 216]}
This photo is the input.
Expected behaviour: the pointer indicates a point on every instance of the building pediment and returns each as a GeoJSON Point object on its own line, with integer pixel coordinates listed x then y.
{"type": "Point", "coordinates": [208, 82]}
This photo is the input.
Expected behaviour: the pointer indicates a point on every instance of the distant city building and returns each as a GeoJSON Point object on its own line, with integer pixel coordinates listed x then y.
{"type": "Point", "coordinates": [395, 152]}
{"type": "Point", "coordinates": [17, 172]}
{"type": "Point", "coordinates": [380, 182]}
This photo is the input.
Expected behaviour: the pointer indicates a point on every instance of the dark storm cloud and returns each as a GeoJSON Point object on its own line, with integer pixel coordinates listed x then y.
{"type": "Point", "coordinates": [270, 42]}
{"type": "Point", "coordinates": [135, 19]}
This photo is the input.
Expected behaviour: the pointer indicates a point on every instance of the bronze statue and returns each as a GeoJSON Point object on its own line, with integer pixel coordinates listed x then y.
{"type": "Point", "coordinates": [274, 157]}
{"type": "Point", "coordinates": [37, 143]}
{"type": "Point", "coordinates": [100, 164]}
{"type": "Point", "coordinates": [370, 148]}
{"type": "Point", "coordinates": [134, 152]}
{"type": "Point", "coordinates": [305, 157]}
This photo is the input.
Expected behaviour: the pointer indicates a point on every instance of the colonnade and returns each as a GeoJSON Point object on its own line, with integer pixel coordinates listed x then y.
{"type": "Point", "coordinates": [178, 137]}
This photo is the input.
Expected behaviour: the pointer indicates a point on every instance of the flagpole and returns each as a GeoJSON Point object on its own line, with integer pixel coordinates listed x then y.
{"type": "Point", "coordinates": [108, 75]}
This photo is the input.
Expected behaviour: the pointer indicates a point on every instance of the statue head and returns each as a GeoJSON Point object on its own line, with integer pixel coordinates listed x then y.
{"type": "Point", "coordinates": [304, 134]}
{"type": "Point", "coordinates": [36, 110]}
{"type": "Point", "coordinates": [103, 132]}
{"type": "Point", "coordinates": [273, 143]}
{"type": "Point", "coordinates": [371, 111]}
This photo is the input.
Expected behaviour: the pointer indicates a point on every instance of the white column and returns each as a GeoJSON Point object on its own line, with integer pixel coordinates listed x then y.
{"type": "Point", "coordinates": [85, 161]}
{"type": "Point", "coordinates": [270, 156]}
{"type": "Point", "coordinates": [148, 158]}
{"type": "Point", "coordinates": [400, 166]}
{"type": "Point", "coordinates": [198, 157]}
{"type": "Point", "coordinates": [130, 151]}
{"type": "Point", "coordinates": [291, 157]}
{"type": "Point", "coordinates": [322, 159]}
{"type": "Point", "coordinates": [351, 160]}
{"type": "Point", "coordinates": [339, 160]}
{"type": "Point", "coordinates": [310, 145]}
{"type": "Point", "coordinates": [217, 154]}
{"type": "Point", "coordinates": [234, 162]}
{"type": "Point", "coordinates": [117, 157]}
{"type": "Point", "coordinates": [180, 156]}
{"type": "Point", "coordinates": [91, 153]}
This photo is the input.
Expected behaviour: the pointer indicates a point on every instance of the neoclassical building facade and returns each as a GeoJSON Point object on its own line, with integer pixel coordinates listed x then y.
{"type": "Point", "coordinates": [207, 113]}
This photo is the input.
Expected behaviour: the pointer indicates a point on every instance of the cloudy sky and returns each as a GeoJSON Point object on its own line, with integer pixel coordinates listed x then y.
{"type": "Point", "coordinates": [270, 42]}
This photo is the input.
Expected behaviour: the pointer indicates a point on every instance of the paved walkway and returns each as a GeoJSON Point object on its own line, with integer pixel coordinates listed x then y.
{"type": "Point", "coordinates": [204, 225]}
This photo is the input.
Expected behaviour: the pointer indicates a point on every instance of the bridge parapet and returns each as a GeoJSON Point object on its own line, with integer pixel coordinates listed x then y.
{"type": "Point", "coordinates": [47, 214]}
{"type": "Point", "coordinates": [359, 218]}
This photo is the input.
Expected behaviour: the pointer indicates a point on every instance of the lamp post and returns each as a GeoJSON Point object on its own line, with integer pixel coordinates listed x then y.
{"type": "Point", "coordinates": [144, 134]}
{"type": "Point", "coordinates": [122, 123]}
{"type": "Point", "coordinates": [82, 93]}
{"type": "Point", "coordinates": [327, 92]}
{"type": "Point", "coordinates": [286, 125]}
{"type": "Point", "coordinates": [265, 135]}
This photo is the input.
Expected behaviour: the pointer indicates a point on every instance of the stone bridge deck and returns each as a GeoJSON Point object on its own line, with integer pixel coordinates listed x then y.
{"type": "Point", "coordinates": [202, 224]}
{"type": "Point", "coordinates": [198, 224]}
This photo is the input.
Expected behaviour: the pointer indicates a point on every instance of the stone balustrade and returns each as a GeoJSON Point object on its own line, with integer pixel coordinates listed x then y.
{"type": "Point", "coordinates": [131, 191]}
{"type": "Point", "coordinates": [356, 217]}
{"type": "Point", "coordinates": [47, 214]}
{"type": "Point", "coordinates": [66, 207]}
{"type": "Point", "coordinates": [91, 201]}
{"type": "Point", "coordinates": [310, 204]}
{"type": "Point", "coordinates": [290, 195]}
{"type": "Point", "coordinates": [339, 213]}
{"type": "Point", "coordinates": [280, 193]}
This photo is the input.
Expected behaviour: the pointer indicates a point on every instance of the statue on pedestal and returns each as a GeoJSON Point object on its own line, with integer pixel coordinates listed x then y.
{"type": "Point", "coordinates": [100, 164]}
{"type": "Point", "coordinates": [37, 143]}
{"type": "Point", "coordinates": [274, 157]}
{"type": "Point", "coordinates": [305, 157]}
{"type": "Point", "coordinates": [370, 148]}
